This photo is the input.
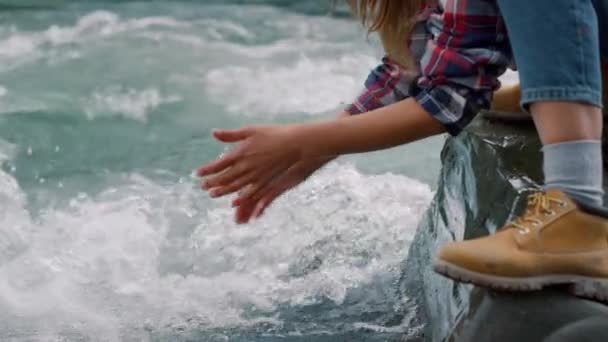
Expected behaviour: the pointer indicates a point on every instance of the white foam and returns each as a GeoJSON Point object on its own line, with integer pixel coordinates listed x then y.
{"type": "Point", "coordinates": [406, 327]}
{"type": "Point", "coordinates": [129, 103]}
{"type": "Point", "coordinates": [218, 29]}
{"type": "Point", "coordinates": [269, 78]}
{"type": "Point", "coordinates": [308, 85]}
{"type": "Point", "coordinates": [18, 48]}
{"type": "Point", "coordinates": [104, 23]}
{"type": "Point", "coordinates": [7, 150]}
{"type": "Point", "coordinates": [14, 218]}
{"type": "Point", "coordinates": [146, 255]}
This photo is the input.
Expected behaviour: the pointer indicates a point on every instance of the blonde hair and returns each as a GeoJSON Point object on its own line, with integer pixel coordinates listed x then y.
{"type": "Point", "coordinates": [393, 20]}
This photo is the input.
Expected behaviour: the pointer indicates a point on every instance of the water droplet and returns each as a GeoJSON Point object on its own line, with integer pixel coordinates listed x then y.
{"type": "Point", "coordinates": [57, 148]}
{"type": "Point", "coordinates": [29, 151]}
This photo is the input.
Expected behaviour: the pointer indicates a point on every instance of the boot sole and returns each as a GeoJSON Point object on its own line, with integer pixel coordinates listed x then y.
{"type": "Point", "coordinates": [580, 286]}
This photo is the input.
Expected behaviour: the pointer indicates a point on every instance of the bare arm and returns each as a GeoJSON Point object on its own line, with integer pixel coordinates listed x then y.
{"type": "Point", "coordinates": [266, 151]}
{"type": "Point", "coordinates": [402, 122]}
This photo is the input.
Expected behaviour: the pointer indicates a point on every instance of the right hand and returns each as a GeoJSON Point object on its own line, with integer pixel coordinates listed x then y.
{"type": "Point", "coordinates": [253, 206]}
{"type": "Point", "coordinates": [250, 206]}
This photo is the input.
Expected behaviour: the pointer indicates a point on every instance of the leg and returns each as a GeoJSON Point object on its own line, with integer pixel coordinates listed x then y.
{"type": "Point", "coordinates": [571, 135]}
{"type": "Point", "coordinates": [563, 95]}
{"type": "Point", "coordinates": [563, 236]}
{"type": "Point", "coordinates": [558, 121]}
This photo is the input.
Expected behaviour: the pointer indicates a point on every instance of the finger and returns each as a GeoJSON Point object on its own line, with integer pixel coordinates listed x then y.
{"type": "Point", "coordinates": [219, 164]}
{"type": "Point", "coordinates": [270, 194]}
{"type": "Point", "coordinates": [232, 135]}
{"type": "Point", "coordinates": [276, 173]}
{"type": "Point", "coordinates": [240, 200]}
{"type": "Point", "coordinates": [267, 200]}
{"type": "Point", "coordinates": [232, 187]}
{"type": "Point", "coordinates": [264, 203]}
{"type": "Point", "coordinates": [252, 189]}
{"type": "Point", "coordinates": [243, 198]}
{"type": "Point", "coordinates": [226, 177]}
{"type": "Point", "coordinates": [261, 177]}
{"type": "Point", "coordinates": [278, 185]}
{"type": "Point", "coordinates": [243, 213]}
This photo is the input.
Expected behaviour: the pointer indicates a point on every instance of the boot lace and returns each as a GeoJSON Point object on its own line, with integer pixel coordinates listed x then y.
{"type": "Point", "coordinates": [539, 205]}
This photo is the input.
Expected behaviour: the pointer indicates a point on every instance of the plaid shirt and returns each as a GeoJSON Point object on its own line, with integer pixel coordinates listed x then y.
{"type": "Point", "coordinates": [461, 47]}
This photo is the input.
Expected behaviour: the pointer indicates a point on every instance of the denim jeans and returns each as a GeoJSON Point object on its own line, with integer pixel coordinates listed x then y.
{"type": "Point", "coordinates": [556, 45]}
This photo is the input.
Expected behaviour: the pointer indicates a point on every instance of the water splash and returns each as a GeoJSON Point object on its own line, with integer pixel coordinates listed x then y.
{"type": "Point", "coordinates": [129, 103]}
{"type": "Point", "coordinates": [148, 255]}
{"type": "Point", "coordinates": [307, 86]}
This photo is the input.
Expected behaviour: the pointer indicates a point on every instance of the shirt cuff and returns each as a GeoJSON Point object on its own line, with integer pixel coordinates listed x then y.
{"type": "Point", "coordinates": [454, 107]}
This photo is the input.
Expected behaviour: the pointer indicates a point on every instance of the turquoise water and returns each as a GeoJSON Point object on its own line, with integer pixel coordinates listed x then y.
{"type": "Point", "coordinates": [105, 110]}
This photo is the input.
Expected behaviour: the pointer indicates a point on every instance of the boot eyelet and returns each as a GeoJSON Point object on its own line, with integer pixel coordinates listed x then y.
{"type": "Point", "coordinates": [551, 213]}
{"type": "Point", "coordinates": [562, 204]}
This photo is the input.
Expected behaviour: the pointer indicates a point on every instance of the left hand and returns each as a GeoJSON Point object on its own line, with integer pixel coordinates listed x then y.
{"type": "Point", "coordinates": [253, 205]}
{"type": "Point", "coordinates": [262, 153]}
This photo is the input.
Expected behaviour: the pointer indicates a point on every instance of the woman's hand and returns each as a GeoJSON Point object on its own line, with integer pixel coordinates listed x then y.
{"type": "Point", "coordinates": [265, 153]}
{"type": "Point", "coordinates": [250, 206]}
{"type": "Point", "coordinates": [252, 201]}
{"type": "Point", "coordinates": [262, 154]}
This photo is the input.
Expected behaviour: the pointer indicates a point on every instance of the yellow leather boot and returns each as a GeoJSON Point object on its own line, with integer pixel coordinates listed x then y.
{"type": "Point", "coordinates": [506, 99]}
{"type": "Point", "coordinates": [554, 242]}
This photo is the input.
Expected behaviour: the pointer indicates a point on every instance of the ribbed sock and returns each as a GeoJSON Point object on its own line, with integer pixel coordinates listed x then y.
{"type": "Point", "coordinates": [575, 167]}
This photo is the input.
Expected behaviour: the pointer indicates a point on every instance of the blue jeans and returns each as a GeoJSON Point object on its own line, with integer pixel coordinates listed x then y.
{"type": "Point", "coordinates": [556, 45]}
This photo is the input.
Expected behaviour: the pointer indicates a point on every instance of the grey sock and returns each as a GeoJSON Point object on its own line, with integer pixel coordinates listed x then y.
{"type": "Point", "coordinates": [575, 167]}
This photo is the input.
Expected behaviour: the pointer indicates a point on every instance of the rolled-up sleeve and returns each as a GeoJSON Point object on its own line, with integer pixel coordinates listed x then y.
{"type": "Point", "coordinates": [385, 85]}
{"type": "Point", "coordinates": [467, 50]}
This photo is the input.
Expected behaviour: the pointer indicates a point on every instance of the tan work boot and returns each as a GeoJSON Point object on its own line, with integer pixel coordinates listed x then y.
{"type": "Point", "coordinates": [506, 99]}
{"type": "Point", "coordinates": [554, 242]}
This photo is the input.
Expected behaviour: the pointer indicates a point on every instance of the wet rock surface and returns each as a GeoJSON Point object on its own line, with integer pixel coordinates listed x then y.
{"type": "Point", "coordinates": [487, 173]}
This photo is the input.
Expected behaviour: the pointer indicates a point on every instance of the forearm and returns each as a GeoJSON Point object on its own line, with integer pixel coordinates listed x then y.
{"type": "Point", "coordinates": [324, 159]}
{"type": "Point", "coordinates": [393, 125]}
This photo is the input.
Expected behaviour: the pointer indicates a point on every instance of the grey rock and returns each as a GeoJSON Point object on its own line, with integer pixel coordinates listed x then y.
{"type": "Point", "coordinates": [486, 175]}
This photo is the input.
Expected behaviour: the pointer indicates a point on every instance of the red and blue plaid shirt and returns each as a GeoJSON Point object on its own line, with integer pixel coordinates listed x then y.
{"type": "Point", "coordinates": [461, 47]}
